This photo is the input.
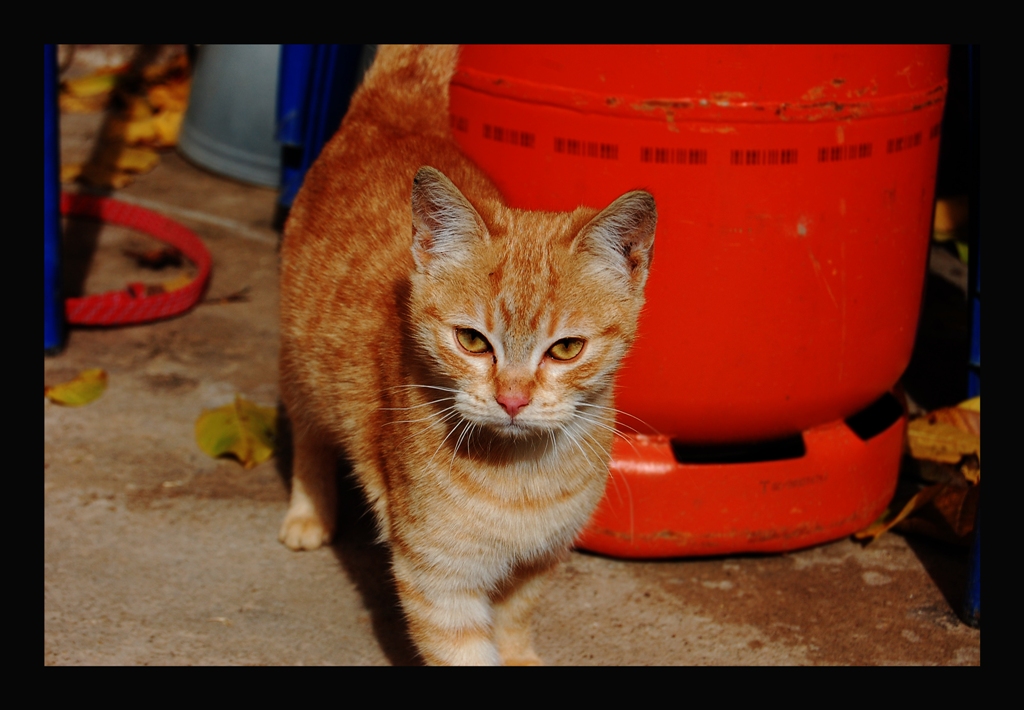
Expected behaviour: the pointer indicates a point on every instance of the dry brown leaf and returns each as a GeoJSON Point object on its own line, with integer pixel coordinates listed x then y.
{"type": "Point", "coordinates": [970, 469]}
{"type": "Point", "coordinates": [944, 510]}
{"type": "Point", "coordinates": [880, 526]}
{"type": "Point", "coordinates": [948, 516]}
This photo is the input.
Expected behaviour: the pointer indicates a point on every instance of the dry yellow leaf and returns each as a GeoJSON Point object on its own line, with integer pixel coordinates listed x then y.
{"type": "Point", "coordinates": [115, 166]}
{"type": "Point", "coordinates": [170, 97]}
{"type": "Point", "coordinates": [85, 388]}
{"type": "Point", "coordinates": [136, 160]}
{"type": "Point", "coordinates": [92, 85]}
{"type": "Point", "coordinates": [134, 125]}
{"type": "Point", "coordinates": [70, 172]}
{"type": "Point", "coordinates": [940, 441]}
{"type": "Point", "coordinates": [177, 283]}
{"type": "Point", "coordinates": [137, 109]}
{"type": "Point", "coordinates": [168, 126]}
{"type": "Point", "coordinates": [241, 429]}
{"type": "Point", "coordinates": [131, 132]}
{"type": "Point", "coordinates": [141, 126]}
{"type": "Point", "coordinates": [87, 94]}
{"type": "Point", "coordinates": [946, 436]}
{"type": "Point", "coordinates": [75, 104]}
{"type": "Point", "coordinates": [963, 419]}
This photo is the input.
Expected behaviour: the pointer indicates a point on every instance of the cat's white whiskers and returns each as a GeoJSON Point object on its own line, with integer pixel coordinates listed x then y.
{"type": "Point", "coordinates": [429, 387]}
{"type": "Point", "coordinates": [599, 423]}
{"type": "Point", "coordinates": [618, 421]}
{"type": "Point", "coordinates": [455, 450]}
{"type": "Point", "coordinates": [447, 436]}
{"type": "Point", "coordinates": [441, 418]}
{"type": "Point", "coordinates": [416, 406]}
{"type": "Point", "coordinates": [629, 492]}
{"type": "Point", "coordinates": [602, 455]}
{"type": "Point", "coordinates": [571, 432]}
{"type": "Point", "coordinates": [602, 425]}
{"type": "Point", "coordinates": [569, 435]}
{"type": "Point", "coordinates": [432, 415]}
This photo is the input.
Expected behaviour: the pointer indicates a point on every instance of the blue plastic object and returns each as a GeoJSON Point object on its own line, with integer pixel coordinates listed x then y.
{"type": "Point", "coordinates": [314, 86]}
{"type": "Point", "coordinates": [53, 301]}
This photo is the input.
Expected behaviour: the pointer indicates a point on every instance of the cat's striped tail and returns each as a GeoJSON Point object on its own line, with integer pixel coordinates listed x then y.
{"type": "Point", "coordinates": [407, 87]}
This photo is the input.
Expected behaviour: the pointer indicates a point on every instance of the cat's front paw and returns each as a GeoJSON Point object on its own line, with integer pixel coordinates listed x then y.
{"type": "Point", "coordinates": [304, 531]}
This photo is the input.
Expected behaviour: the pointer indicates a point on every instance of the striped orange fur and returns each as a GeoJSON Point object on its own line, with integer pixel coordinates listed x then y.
{"type": "Point", "coordinates": [460, 353]}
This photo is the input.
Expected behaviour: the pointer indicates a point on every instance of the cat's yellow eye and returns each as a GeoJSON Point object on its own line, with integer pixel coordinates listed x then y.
{"type": "Point", "coordinates": [472, 341]}
{"type": "Point", "coordinates": [566, 348]}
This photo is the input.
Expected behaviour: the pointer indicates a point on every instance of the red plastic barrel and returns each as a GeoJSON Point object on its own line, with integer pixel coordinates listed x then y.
{"type": "Point", "coordinates": [795, 189]}
{"type": "Point", "coordinates": [795, 195]}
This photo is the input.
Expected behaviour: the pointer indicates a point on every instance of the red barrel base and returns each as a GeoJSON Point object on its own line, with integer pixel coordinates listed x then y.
{"type": "Point", "coordinates": [655, 506]}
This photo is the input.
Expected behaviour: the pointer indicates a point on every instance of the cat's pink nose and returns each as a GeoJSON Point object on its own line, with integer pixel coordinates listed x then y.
{"type": "Point", "coordinates": [513, 401]}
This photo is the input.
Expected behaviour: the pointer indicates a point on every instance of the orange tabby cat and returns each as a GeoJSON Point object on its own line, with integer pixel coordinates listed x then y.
{"type": "Point", "coordinates": [460, 353]}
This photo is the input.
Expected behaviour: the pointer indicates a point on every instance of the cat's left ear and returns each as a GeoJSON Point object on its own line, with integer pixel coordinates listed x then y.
{"type": "Point", "coordinates": [622, 237]}
{"type": "Point", "coordinates": [445, 225]}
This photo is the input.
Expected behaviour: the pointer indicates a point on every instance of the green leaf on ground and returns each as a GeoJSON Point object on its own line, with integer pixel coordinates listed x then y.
{"type": "Point", "coordinates": [241, 429]}
{"type": "Point", "coordinates": [89, 385]}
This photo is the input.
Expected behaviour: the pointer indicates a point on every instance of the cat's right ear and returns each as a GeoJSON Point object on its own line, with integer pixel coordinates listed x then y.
{"type": "Point", "coordinates": [622, 238]}
{"type": "Point", "coordinates": [445, 225]}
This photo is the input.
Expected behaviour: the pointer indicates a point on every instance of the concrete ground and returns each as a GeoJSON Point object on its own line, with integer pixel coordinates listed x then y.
{"type": "Point", "coordinates": [155, 554]}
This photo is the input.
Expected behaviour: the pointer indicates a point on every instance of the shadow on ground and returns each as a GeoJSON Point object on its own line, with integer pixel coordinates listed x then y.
{"type": "Point", "coordinates": [366, 561]}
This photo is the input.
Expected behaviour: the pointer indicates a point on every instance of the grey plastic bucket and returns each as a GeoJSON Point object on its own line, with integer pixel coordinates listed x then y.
{"type": "Point", "coordinates": [230, 121]}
